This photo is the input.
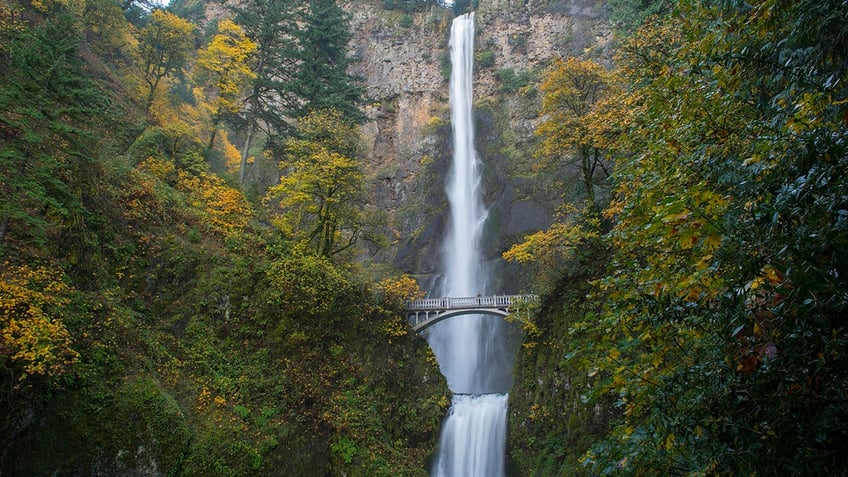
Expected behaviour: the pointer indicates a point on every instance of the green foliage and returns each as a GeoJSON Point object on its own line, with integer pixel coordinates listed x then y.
{"type": "Point", "coordinates": [408, 6]}
{"type": "Point", "coordinates": [270, 26]}
{"type": "Point", "coordinates": [99, 419]}
{"type": "Point", "coordinates": [464, 6]}
{"type": "Point", "coordinates": [149, 320]}
{"type": "Point", "coordinates": [575, 90]}
{"type": "Point", "coordinates": [160, 422]}
{"type": "Point", "coordinates": [192, 10]}
{"type": "Point", "coordinates": [321, 77]}
{"type": "Point", "coordinates": [165, 44]}
{"type": "Point", "coordinates": [511, 81]}
{"type": "Point", "coordinates": [45, 152]}
{"type": "Point", "coordinates": [406, 21]}
{"type": "Point", "coordinates": [306, 285]}
{"type": "Point", "coordinates": [321, 194]}
{"type": "Point", "coordinates": [170, 142]}
{"type": "Point", "coordinates": [485, 58]}
{"type": "Point", "coordinates": [628, 15]}
{"type": "Point", "coordinates": [722, 334]}
{"type": "Point", "coordinates": [554, 417]}
{"type": "Point", "coordinates": [105, 25]}
{"type": "Point", "coordinates": [446, 67]}
{"type": "Point", "coordinates": [146, 427]}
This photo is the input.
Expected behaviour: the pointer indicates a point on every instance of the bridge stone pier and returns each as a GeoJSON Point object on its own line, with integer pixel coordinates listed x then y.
{"type": "Point", "coordinates": [429, 311]}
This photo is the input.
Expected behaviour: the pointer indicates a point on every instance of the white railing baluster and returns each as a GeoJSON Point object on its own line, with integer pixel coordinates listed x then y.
{"type": "Point", "coordinates": [433, 308]}
{"type": "Point", "coordinates": [469, 302]}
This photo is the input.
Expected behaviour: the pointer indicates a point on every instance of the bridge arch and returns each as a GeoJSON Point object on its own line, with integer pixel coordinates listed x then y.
{"type": "Point", "coordinates": [433, 318]}
{"type": "Point", "coordinates": [426, 312]}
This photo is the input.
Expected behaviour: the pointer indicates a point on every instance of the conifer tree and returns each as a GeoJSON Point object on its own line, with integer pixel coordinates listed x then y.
{"type": "Point", "coordinates": [46, 103]}
{"type": "Point", "coordinates": [322, 79]}
{"type": "Point", "coordinates": [271, 26]}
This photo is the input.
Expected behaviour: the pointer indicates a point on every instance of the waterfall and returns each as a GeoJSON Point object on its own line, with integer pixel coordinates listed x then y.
{"type": "Point", "coordinates": [473, 438]}
{"type": "Point", "coordinates": [470, 349]}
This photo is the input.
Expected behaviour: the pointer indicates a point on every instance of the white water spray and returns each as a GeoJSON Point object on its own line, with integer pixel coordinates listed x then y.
{"type": "Point", "coordinates": [473, 438]}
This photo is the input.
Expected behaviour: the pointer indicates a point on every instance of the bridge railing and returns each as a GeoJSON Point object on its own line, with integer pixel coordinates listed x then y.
{"type": "Point", "coordinates": [496, 301]}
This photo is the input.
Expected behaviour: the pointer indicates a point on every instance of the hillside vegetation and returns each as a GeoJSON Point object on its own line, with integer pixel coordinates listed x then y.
{"type": "Point", "coordinates": [695, 313]}
{"type": "Point", "coordinates": [163, 309]}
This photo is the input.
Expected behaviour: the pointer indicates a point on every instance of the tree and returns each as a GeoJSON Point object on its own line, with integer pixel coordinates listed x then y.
{"type": "Point", "coordinates": [321, 191]}
{"type": "Point", "coordinates": [572, 88]}
{"type": "Point", "coordinates": [106, 28]}
{"type": "Point", "coordinates": [718, 325]}
{"type": "Point", "coordinates": [226, 210]}
{"type": "Point", "coordinates": [725, 295]}
{"type": "Point", "coordinates": [321, 80]}
{"type": "Point", "coordinates": [223, 69]}
{"type": "Point", "coordinates": [552, 253]}
{"type": "Point", "coordinates": [165, 44]}
{"type": "Point", "coordinates": [271, 26]}
{"type": "Point", "coordinates": [46, 104]}
{"type": "Point", "coordinates": [33, 340]}
{"type": "Point", "coordinates": [627, 15]}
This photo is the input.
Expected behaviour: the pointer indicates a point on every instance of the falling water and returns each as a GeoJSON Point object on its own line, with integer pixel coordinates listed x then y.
{"type": "Point", "coordinates": [469, 348]}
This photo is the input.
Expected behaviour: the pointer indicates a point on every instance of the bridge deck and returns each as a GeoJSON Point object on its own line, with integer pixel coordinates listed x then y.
{"type": "Point", "coordinates": [427, 311]}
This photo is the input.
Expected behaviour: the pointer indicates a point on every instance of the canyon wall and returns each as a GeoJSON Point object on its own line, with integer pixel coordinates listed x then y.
{"type": "Point", "coordinates": [403, 59]}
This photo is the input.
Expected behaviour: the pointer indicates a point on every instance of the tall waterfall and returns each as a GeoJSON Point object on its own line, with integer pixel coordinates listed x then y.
{"type": "Point", "coordinates": [469, 348]}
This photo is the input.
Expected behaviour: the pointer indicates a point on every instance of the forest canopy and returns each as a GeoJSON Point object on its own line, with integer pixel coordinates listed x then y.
{"type": "Point", "coordinates": [700, 315]}
{"type": "Point", "coordinates": [159, 308]}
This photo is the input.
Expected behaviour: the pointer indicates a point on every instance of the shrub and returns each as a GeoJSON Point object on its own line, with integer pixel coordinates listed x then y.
{"type": "Point", "coordinates": [486, 59]}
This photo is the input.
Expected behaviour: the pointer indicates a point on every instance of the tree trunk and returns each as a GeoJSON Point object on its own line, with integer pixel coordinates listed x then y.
{"type": "Point", "coordinates": [211, 144]}
{"type": "Point", "coordinates": [588, 176]}
{"type": "Point", "coordinates": [4, 226]}
{"type": "Point", "coordinates": [245, 151]}
{"type": "Point", "coordinates": [152, 93]}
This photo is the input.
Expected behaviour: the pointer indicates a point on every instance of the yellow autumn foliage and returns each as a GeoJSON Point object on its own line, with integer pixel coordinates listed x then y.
{"type": "Point", "coordinates": [161, 168]}
{"type": "Point", "coordinates": [223, 64]}
{"type": "Point", "coordinates": [45, 6]}
{"type": "Point", "coordinates": [33, 338]}
{"type": "Point", "coordinates": [226, 209]}
{"type": "Point", "coordinates": [232, 156]}
{"type": "Point", "coordinates": [397, 290]}
{"type": "Point", "coordinates": [550, 249]}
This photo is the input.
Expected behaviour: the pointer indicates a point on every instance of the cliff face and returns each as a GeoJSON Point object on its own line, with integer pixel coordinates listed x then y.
{"type": "Point", "coordinates": [404, 60]}
{"type": "Point", "coordinates": [400, 58]}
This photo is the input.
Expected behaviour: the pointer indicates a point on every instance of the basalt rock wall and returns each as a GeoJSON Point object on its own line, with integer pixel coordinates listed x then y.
{"type": "Point", "coordinates": [404, 60]}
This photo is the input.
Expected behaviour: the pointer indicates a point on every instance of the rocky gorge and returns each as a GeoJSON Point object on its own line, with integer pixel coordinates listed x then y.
{"type": "Point", "coordinates": [402, 58]}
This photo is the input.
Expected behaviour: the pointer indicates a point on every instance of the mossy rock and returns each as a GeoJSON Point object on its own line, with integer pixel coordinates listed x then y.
{"type": "Point", "coordinates": [155, 427]}
{"type": "Point", "coordinates": [137, 430]}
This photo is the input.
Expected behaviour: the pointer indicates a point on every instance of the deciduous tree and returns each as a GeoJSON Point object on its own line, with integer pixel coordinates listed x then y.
{"type": "Point", "coordinates": [321, 192]}
{"type": "Point", "coordinates": [723, 286]}
{"type": "Point", "coordinates": [571, 89]}
{"type": "Point", "coordinates": [223, 69]}
{"type": "Point", "coordinates": [165, 45]}
{"type": "Point", "coordinates": [33, 340]}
